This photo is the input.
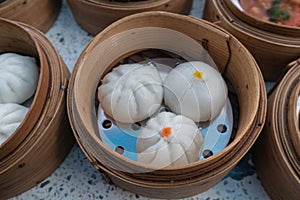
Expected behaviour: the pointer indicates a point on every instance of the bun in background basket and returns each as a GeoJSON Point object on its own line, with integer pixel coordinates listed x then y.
{"type": "Point", "coordinates": [43, 139]}
{"type": "Point", "coordinates": [185, 36]}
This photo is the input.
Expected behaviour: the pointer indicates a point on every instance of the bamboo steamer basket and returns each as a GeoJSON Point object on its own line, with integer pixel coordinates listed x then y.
{"type": "Point", "coordinates": [273, 46]}
{"type": "Point", "coordinates": [159, 30]}
{"type": "Point", "coordinates": [38, 13]}
{"type": "Point", "coordinates": [43, 139]}
{"type": "Point", "coordinates": [277, 151]}
{"type": "Point", "coordinates": [94, 15]}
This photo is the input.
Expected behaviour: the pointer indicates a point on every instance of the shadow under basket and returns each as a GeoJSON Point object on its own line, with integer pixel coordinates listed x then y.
{"type": "Point", "coordinates": [272, 45]}
{"type": "Point", "coordinates": [43, 139]}
{"type": "Point", "coordinates": [40, 14]}
{"type": "Point", "coordinates": [94, 15]}
{"type": "Point", "coordinates": [180, 35]}
{"type": "Point", "coordinates": [277, 151]}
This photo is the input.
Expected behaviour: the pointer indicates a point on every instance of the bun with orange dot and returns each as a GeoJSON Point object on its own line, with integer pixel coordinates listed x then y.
{"type": "Point", "coordinates": [169, 140]}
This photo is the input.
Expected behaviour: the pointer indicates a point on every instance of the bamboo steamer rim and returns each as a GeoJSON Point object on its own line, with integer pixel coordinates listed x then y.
{"type": "Point", "coordinates": [86, 139]}
{"type": "Point", "coordinates": [50, 140]}
{"type": "Point", "coordinates": [9, 4]}
{"type": "Point", "coordinates": [293, 125]}
{"type": "Point", "coordinates": [259, 42]}
{"type": "Point", "coordinates": [150, 182]}
{"type": "Point", "coordinates": [86, 12]}
{"type": "Point", "coordinates": [4, 2]}
{"type": "Point", "coordinates": [276, 154]}
{"type": "Point", "coordinates": [283, 40]}
{"type": "Point", "coordinates": [42, 108]}
{"type": "Point", "coordinates": [114, 5]}
{"type": "Point", "coordinates": [36, 107]}
{"type": "Point", "coordinates": [98, 139]}
{"type": "Point", "coordinates": [286, 125]}
{"type": "Point", "coordinates": [21, 10]}
{"type": "Point", "coordinates": [263, 24]}
{"type": "Point", "coordinates": [252, 31]}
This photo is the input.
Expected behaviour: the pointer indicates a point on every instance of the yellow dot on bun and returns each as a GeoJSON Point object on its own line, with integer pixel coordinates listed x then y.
{"type": "Point", "coordinates": [198, 74]}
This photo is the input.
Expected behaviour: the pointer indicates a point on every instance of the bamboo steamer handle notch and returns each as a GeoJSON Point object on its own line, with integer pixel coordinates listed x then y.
{"type": "Point", "coordinates": [206, 44]}
{"type": "Point", "coordinates": [214, 15]}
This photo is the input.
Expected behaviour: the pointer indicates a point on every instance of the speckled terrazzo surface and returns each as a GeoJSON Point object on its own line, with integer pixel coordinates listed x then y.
{"type": "Point", "coordinates": [77, 179]}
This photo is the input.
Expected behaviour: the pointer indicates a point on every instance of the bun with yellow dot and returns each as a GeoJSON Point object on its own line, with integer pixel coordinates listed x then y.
{"type": "Point", "coordinates": [196, 90]}
{"type": "Point", "coordinates": [169, 140]}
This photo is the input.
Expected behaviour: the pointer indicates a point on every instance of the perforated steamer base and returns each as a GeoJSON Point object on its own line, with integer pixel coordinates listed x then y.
{"type": "Point", "coordinates": [122, 137]}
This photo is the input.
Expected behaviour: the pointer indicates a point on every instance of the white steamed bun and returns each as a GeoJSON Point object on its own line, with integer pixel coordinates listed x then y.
{"type": "Point", "coordinates": [11, 116]}
{"type": "Point", "coordinates": [131, 92]}
{"type": "Point", "coordinates": [18, 77]}
{"type": "Point", "coordinates": [195, 90]}
{"type": "Point", "coordinates": [169, 140]}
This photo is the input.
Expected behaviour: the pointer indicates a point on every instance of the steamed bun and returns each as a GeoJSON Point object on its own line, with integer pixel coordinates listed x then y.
{"type": "Point", "coordinates": [131, 92]}
{"type": "Point", "coordinates": [18, 77]}
{"type": "Point", "coordinates": [169, 140]}
{"type": "Point", "coordinates": [11, 116]}
{"type": "Point", "coordinates": [195, 90]}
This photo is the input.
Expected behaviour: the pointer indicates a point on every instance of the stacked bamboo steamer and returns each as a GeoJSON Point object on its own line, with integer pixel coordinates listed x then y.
{"type": "Point", "coordinates": [134, 34]}
{"type": "Point", "coordinates": [95, 15]}
{"type": "Point", "coordinates": [272, 45]}
{"type": "Point", "coordinates": [43, 139]}
{"type": "Point", "coordinates": [40, 14]}
{"type": "Point", "coordinates": [277, 152]}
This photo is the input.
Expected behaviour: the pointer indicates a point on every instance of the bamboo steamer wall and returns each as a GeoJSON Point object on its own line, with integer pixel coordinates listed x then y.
{"type": "Point", "coordinates": [273, 46]}
{"type": "Point", "coordinates": [43, 139]}
{"type": "Point", "coordinates": [277, 151]}
{"type": "Point", "coordinates": [95, 15]}
{"type": "Point", "coordinates": [134, 34]}
{"type": "Point", "coordinates": [38, 13]}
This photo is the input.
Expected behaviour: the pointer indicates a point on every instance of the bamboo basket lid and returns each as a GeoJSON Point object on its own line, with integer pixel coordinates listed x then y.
{"type": "Point", "coordinates": [43, 139]}
{"type": "Point", "coordinates": [95, 15]}
{"type": "Point", "coordinates": [159, 30]}
{"type": "Point", "coordinates": [273, 46]}
{"type": "Point", "coordinates": [40, 14]}
{"type": "Point", "coordinates": [277, 152]}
